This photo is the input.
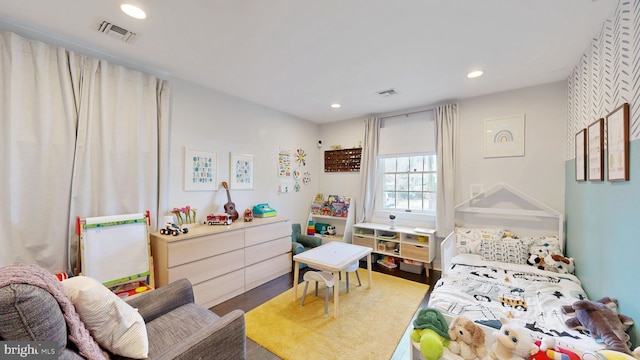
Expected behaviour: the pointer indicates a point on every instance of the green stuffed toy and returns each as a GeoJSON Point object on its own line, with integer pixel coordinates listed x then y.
{"type": "Point", "coordinates": [430, 330]}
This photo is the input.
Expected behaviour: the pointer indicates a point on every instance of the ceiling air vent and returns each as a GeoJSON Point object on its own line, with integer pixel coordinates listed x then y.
{"type": "Point", "coordinates": [388, 92]}
{"type": "Point", "coordinates": [107, 27]}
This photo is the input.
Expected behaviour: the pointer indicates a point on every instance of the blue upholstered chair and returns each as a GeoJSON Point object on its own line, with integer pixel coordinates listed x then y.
{"type": "Point", "coordinates": [301, 242]}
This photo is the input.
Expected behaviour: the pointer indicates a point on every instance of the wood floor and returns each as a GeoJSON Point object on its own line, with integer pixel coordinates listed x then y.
{"type": "Point", "coordinates": [265, 292]}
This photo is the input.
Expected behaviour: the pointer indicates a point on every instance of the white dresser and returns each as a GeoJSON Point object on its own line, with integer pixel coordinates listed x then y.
{"type": "Point", "coordinates": [224, 261]}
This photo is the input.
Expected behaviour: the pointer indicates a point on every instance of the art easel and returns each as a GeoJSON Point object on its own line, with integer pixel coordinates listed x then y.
{"type": "Point", "coordinates": [115, 250]}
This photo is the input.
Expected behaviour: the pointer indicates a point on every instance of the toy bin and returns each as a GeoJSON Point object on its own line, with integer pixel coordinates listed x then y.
{"type": "Point", "coordinates": [415, 267]}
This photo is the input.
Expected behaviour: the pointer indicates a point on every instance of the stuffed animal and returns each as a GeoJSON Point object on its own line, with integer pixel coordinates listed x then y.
{"type": "Point", "coordinates": [467, 339]}
{"type": "Point", "coordinates": [513, 342]}
{"type": "Point", "coordinates": [558, 263]}
{"type": "Point", "coordinates": [430, 330]}
{"type": "Point", "coordinates": [610, 355]}
{"type": "Point", "coordinates": [602, 322]}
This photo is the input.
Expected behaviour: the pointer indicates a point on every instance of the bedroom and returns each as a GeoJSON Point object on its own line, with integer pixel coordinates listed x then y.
{"type": "Point", "coordinates": [599, 214]}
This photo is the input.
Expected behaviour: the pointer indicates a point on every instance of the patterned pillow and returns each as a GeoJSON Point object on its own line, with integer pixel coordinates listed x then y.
{"type": "Point", "coordinates": [113, 323]}
{"type": "Point", "coordinates": [507, 250]}
{"type": "Point", "coordinates": [545, 245]}
{"type": "Point", "coordinates": [469, 240]}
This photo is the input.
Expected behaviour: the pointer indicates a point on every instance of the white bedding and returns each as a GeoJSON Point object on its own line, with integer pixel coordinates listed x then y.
{"type": "Point", "coordinates": [485, 291]}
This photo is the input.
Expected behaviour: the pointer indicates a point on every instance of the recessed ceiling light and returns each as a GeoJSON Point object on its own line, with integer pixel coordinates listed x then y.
{"type": "Point", "coordinates": [133, 11]}
{"type": "Point", "coordinates": [474, 74]}
{"type": "Point", "coordinates": [335, 105]}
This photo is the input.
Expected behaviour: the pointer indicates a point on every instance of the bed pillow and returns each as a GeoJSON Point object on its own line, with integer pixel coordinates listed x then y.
{"type": "Point", "coordinates": [548, 244]}
{"type": "Point", "coordinates": [113, 323]}
{"type": "Point", "coordinates": [507, 250]}
{"type": "Point", "coordinates": [469, 240]}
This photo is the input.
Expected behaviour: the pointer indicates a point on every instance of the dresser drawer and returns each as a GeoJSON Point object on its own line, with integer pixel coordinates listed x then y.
{"type": "Point", "coordinates": [181, 252]}
{"type": "Point", "coordinates": [217, 290]}
{"type": "Point", "coordinates": [363, 241]}
{"type": "Point", "coordinates": [259, 273]}
{"type": "Point", "coordinates": [264, 251]}
{"type": "Point", "coordinates": [263, 233]}
{"type": "Point", "coordinates": [416, 252]}
{"type": "Point", "coordinates": [208, 268]}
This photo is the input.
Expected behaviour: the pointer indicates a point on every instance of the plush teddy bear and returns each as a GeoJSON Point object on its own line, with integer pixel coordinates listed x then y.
{"type": "Point", "coordinates": [602, 322]}
{"type": "Point", "coordinates": [467, 339]}
{"type": "Point", "coordinates": [513, 342]}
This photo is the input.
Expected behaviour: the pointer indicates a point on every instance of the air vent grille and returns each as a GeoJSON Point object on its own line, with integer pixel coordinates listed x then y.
{"type": "Point", "coordinates": [388, 92]}
{"type": "Point", "coordinates": [109, 28]}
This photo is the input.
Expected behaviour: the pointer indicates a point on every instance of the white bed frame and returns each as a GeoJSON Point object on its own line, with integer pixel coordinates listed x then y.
{"type": "Point", "coordinates": [502, 206]}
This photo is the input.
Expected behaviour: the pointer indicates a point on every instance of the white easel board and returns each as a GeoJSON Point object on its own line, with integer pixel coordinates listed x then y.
{"type": "Point", "coordinates": [115, 249]}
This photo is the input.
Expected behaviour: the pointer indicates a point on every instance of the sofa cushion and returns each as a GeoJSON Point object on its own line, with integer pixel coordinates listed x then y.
{"type": "Point", "coordinates": [30, 313]}
{"type": "Point", "coordinates": [113, 323]}
{"type": "Point", "coordinates": [177, 325]}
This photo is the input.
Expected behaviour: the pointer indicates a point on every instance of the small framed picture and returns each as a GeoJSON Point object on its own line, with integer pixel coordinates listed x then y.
{"type": "Point", "coordinates": [595, 142]}
{"type": "Point", "coordinates": [241, 171]}
{"type": "Point", "coordinates": [200, 170]}
{"type": "Point", "coordinates": [618, 144]}
{"type": "Point", "coordinates": [581, 155]}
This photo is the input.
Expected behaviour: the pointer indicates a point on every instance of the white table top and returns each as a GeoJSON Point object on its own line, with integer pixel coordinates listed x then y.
{"type": "Point", "coordinates": [333, 256]}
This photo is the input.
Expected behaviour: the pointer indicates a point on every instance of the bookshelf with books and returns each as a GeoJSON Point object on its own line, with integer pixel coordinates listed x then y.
{"type": "Point", "coordinates": [331, 217]}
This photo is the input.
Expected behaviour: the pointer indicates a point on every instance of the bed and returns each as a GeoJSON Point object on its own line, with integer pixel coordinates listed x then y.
{"type": "Point", "coordinates": [485, 273]}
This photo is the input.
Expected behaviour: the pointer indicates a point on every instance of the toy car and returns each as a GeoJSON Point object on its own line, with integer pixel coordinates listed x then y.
{"type": "Point", "coordinates": [173, 229]}
{"type": "Point", "coordinates": [218, 219]}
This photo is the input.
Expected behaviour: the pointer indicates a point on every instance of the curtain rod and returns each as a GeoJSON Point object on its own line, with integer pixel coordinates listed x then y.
{"type": "Point", "coordinates": [407, 114]}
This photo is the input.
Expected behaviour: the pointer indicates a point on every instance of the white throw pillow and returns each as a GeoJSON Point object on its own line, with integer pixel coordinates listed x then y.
{"type": "Point", "coordinates": [113, 323]}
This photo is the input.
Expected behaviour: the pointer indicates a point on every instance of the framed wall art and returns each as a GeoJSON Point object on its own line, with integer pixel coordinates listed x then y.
{"type": "Point", "coordinates": [200, 170]}
{"type": "Point", "coordinates": [240, 171]}
{"type": "Point", "coordinates": [618, 144]}
{"type": "Point", "coordinates": [504, 137]}
{"type": "Point", "coordinates": [581, 155]}
{"type": "Point", "coordinates": [595, 141]}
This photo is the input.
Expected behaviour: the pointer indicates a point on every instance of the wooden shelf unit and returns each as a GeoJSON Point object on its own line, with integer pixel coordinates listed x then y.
{"type": "Point", "coordinates": [406, 240]}
{"type": "Point", "coordinates": [344, 160]}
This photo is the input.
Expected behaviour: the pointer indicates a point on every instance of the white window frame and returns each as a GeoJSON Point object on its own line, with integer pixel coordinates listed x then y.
{"type": "Point", "coordinates": [407, 214]}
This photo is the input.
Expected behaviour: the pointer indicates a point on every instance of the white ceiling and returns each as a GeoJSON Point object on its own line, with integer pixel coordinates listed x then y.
{"type": "Point", "coordinates": [299, 56]}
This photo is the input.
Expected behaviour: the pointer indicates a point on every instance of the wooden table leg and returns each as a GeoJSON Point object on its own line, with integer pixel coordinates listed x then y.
{"type": "Point", "coordinates": [336, 292]}
{"type": "Point", "coordinates": [369, 269]}
{"type": "Point", "coordinates": [296, 274]}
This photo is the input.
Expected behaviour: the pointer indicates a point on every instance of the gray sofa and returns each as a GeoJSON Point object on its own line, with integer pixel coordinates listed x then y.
{"type": "Point", "coordinates": [177, 328]}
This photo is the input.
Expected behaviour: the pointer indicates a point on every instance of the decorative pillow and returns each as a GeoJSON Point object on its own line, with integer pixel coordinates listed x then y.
{"type": "Point", "coordinates": [469, 240]}
{"type": "Point", "coordinates": [545, 245]}
{"type": "Point", "coordinates": [113, 323]}
{"type": "Point", "coordinates": [505, 250]}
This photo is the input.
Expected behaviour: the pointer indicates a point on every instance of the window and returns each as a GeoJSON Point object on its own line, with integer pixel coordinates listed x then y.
{"type": "Point", "coordinates": [409, 182]}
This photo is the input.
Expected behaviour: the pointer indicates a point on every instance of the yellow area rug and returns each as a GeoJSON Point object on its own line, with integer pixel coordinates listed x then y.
{"type": "Point", "coordinates": [371, 322]}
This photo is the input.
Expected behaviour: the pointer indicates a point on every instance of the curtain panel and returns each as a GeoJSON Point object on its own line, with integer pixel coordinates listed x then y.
{"type": "Point", "coordinates": [369, 168]}
{"type": "Point", "coordinates": [446, 153]}
{"type": "Point", "coordinates": [80, 138]}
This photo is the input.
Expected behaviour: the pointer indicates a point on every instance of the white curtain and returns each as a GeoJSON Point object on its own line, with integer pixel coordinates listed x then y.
{"type": "Point", "coordinates": [369, 168]}
{"type": "Point", "coordinates": [36, 151]}
{"type": "Point", "coordinates": [446, 117]}
{"type": "Point", "coordinates": [116, 163]}
{"type": "Point", "coordinates": [79, 138]}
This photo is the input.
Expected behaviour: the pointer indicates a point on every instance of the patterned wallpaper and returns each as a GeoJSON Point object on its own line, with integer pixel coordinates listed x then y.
{"type": "Point", "coordinates": [607, 75]}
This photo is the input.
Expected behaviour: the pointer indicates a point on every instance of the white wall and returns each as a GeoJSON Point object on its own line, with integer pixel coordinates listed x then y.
{"type": "Point", "coordinates": [203, 119]}
{"type": "Point", "coordinates": [347, 134]}
{"type": "Point", "coordinates": [540, 173]}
